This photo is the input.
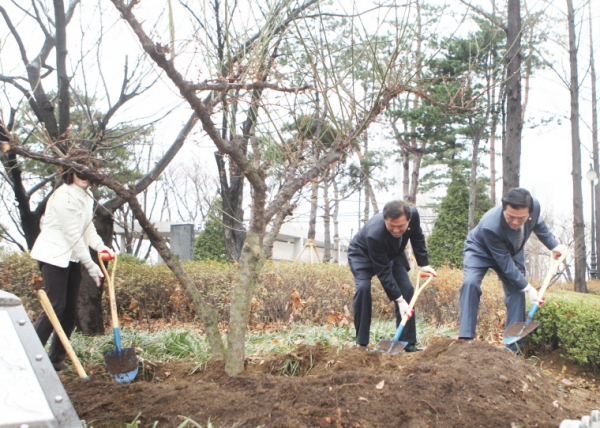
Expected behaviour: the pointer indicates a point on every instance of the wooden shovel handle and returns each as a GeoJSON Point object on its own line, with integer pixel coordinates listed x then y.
{"type": "Point", "coordinates": [554, 264]}
{"type": "Point", "coordinates": [415, 296]}
{"type": "Point", "coordinates": [418, 290]}
{"type": "Point", "coordinates": [114, 315]}
{"type": "Point", "coordinates": [47, 306]}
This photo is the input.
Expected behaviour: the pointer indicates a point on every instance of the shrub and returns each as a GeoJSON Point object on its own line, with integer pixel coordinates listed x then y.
{"type": "Point", "coordinates": [451, 227]}
{"type": "Point", "coordinates": [210, 244]}
{"type": "Point", "coordinates": [20, 275]}
{"type": "Point", "coordinates": [570, 321]}
{"type": "Point", "coordinates": [285, 291]}
{"type": "Point", "coordinates": [439, 301]}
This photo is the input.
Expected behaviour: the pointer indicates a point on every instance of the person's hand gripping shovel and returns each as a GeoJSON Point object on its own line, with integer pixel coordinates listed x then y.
{"type": "Point", "coordinates": [395, 346]}
{"type": "Point", "coordinates": [518, 330]}
{"type": "Point", "coordinates": [121, 363]}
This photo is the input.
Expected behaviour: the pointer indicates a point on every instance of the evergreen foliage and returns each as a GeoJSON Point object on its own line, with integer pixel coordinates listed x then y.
{"type": "Point", "coordinates": [447, 240]}
{"type": "Point", "coordinates": [210, 244]}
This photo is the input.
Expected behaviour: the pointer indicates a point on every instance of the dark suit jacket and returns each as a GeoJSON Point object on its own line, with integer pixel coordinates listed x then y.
{"type": "Point", "coordinates": [373, 248]}
{"type": "Point", "coordinates": [492, 243]}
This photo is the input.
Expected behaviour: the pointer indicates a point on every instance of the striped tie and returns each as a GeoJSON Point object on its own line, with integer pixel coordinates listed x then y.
{"type": "Point", "coordinates": [519, 237]}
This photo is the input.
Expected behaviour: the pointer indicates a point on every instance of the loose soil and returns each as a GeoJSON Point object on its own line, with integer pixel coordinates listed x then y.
{"type": "Point", "coordinates": [451, 384]}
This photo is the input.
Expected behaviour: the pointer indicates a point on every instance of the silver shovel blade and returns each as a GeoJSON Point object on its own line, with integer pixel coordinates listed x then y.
{"type": "Point", "coordinates": [517, 331]}
{"type": "Point", "coordinates": [390, 347]}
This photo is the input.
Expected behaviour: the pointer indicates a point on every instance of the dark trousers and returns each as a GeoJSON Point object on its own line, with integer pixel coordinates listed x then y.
{"type": "Point", "coordinates": [470, 294]}
{"type": "Point", "coordinates": [363, 303]}
{"type": "Point", "coordinates": [62, 287]}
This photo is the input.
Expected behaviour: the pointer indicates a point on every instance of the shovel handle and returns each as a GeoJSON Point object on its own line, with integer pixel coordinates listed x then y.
{"type": "Point", "coordinates": [556, 262]}
{"type": "Point", "coordinates": [47, 306]}
{"type": "Point", "coordinates": [114, 315]}
{"type": "Point", "coordinates": [412, 303]}
{"type": "Point", "coordinates": [418, 289]}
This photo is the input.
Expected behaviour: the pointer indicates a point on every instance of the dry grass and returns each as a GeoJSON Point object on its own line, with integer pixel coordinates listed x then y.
{"type": "Point", "coordinates": [286, 292]}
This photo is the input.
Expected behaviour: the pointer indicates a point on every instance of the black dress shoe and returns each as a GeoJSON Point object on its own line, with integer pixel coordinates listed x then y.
{"type": "Point", "coordinates": [59, 366]}
{"type": "Point", "coordinates": [412, 348]}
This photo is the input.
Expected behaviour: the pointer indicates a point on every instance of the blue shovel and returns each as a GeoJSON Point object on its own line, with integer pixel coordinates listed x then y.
{"type": "Point", "coordinates": [518, 330]}
{"type": "Point", "coordinates": [395, 346]}
{"type": "Point", "coordinates": [121, 363]}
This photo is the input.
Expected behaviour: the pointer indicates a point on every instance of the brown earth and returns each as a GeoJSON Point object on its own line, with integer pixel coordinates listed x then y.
{"type": "Point", "coordinates": [451, 384]}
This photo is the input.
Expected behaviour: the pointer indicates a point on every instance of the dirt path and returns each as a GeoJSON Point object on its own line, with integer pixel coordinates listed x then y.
{"type": "Point", "coordinates": [451, 384]}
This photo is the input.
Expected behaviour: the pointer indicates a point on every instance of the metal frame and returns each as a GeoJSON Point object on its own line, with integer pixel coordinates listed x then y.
{"type": "Point", "coordinates": [57, 400]}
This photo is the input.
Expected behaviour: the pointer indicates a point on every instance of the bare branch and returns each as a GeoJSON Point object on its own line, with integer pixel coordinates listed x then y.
{"type": "Point", "coordinates": [160, 166]}
{"type": "Point", "coordinates": [223, 86]}
{"type": "Point", "coordinates": [41, 184]}
{"type": "Point", "coordinates": [493, 19]}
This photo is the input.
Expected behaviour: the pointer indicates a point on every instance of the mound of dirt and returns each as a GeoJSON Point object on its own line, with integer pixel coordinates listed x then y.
{"type": "Point", "coordinates": [451, 384]}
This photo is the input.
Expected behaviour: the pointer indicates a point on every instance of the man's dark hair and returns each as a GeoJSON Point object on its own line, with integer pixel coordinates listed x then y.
{"type": "Point", "coordinates": [80, 157]}
{"type": "Point", "coordinates": [396, 209]}
{"type": "Point", "coordinates": [518, 198]}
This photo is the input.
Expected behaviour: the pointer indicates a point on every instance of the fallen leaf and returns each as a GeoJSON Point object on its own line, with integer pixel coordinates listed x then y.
{"type": "Point", "coordinates": [567, 382]}
{"type": "Point", "coordinates": [380, 385]}
{"type": "Point", "coordinates": [556, 404]}
{"type": "Point", "coordinates": [363, 399]}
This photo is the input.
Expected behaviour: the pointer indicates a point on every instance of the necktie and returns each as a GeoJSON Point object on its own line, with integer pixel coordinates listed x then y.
{"type": "Point", "coordinates": [519, 237]}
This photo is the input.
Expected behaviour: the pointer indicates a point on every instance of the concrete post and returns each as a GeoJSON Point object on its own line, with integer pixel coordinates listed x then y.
{"type": "Point", "coordinates": [182, 241]}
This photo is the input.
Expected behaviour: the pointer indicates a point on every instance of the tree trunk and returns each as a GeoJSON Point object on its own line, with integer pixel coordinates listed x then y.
{"type": "Point", "coordinates": [233, 214]}
{"type": "Point", "coordinates": [493, 127]}
{"type": "Point", "coordinates": [473, 183]}
{"type": "Point", "coordinates": [64, 97]}
{"type": "Point", "coordinates": [243, 288]}
{"type": "Point", "coordinates": [336, 211]}
{"type": "Point", "coordinates": [578, 223]}
{"type": "Point", "coordinates": [89, 310]}
{"type": "Point", "coordinates": [405, 174]}
{"type": "Point", "coordinates": [416, 171]}
{"type": "Point", "coordinates": [595, 134]}
{"type": "Point", "coordinates": [326, 221]}
{"type": "Point", "coordinates": [312, 221]}
{"type": "Point", "coordinates": [269, 240]}
{"type": "Point", "coordinates": [511, 150]}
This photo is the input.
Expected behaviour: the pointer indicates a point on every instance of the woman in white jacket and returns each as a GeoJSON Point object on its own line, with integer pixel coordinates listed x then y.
{"type": "Point", "coordinates": [61, 248]}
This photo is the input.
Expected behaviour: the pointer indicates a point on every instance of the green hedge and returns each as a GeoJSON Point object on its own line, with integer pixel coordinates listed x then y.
{"type": "Point", "coordinates": [570, 321]}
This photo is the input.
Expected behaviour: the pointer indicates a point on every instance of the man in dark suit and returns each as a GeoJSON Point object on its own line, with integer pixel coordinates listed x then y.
{"type": "Point", "coordinates": [497, 243]}
{"type": "Point", "coordinates": [378, 249]}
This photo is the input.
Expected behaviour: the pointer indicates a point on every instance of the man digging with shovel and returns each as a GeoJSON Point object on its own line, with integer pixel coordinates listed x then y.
{"type": "Point", "coordinates": [497, 243]}
{"type": "Point", "coordinates": [378, 249]}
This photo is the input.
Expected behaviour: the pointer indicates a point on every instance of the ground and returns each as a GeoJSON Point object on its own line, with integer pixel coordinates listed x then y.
{"type": "Point", "coordinates": [451, 384]}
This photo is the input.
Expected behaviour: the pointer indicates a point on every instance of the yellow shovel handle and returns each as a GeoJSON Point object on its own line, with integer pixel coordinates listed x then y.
{"type": "Point", "coordinates": [415, 296]}
{"type": "Point", "coordinates": [114, 315]}
{"type": "Point", "coordinates": [47, 306]}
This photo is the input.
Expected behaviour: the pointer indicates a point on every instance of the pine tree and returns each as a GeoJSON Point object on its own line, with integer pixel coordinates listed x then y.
{"type": "Point", "coordinates": [447, 240]}
{"type": "Point", "coordinates": [210, 244]}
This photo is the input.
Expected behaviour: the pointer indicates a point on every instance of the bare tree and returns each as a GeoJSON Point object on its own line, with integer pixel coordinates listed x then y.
{"type": "Point", "coordinates": [46, 118]}
{"type": "Point", "coordinates": [357, 116]}
{"type": "Point", "coordinates": [578, 223]}
{"type": "Point", "coordinates": [511, 144]}
{"type": "Point", "coordinates": [595, 153]}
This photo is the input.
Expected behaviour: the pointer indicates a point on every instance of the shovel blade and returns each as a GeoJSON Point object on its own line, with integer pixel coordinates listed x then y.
{"type": "Point", "coordinates": [390, 347]}
{"type": "Point", "coordinates": [121, 364]}
{"type": "Point", "coordinates": [517, 331]}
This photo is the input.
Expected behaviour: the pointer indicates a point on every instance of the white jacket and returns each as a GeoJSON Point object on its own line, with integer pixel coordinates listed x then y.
{"type": "Point", "coordinates": [67, 229]}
